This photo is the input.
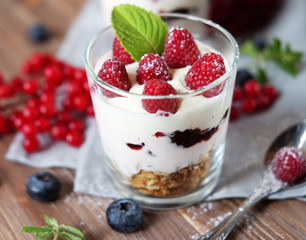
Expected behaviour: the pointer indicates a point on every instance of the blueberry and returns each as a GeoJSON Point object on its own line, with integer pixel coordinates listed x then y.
{"type": "Point", "coordinates": [259, 42]}
{"type": "Point", "coordinates": [43, 186]}
{"type": "Point", "coordinates": [243, 75]}
{"type": "Point", "coordinates": [38, 33]}
{"type": "Point", "coordinates": [124, 215]}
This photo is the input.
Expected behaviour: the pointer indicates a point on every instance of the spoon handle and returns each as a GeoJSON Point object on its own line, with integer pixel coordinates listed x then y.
{"type": "Point", "coordinates": [223, 229]}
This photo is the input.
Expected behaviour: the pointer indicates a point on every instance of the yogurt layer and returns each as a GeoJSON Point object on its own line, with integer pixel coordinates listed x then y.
{"type": "Point", "coordinates": [135, 140]}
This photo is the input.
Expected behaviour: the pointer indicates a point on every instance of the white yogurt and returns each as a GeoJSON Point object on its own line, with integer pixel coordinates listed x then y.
{"type": "Point", "coordinates": [123, 121]}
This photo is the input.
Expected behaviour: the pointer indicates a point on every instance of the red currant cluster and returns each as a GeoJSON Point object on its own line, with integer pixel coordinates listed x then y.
{"type": "Point", "coordinates": [43, 112]}
{"type": "Point", "coordinates": [251, 97]}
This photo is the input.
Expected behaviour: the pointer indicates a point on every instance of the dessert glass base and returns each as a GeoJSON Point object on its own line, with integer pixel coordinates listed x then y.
{"type": "Point", "coordinates": [165, 160]}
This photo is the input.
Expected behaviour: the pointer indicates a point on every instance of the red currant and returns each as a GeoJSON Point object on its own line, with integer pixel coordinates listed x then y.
{"type": "Point", "coordinates": [248, 105]}
{"type": "Point", "coordinates": [47, 96]}
{"type": "Point", "coordinates": [269, 91]}
{"type": "Point", "coordinates": [47, 109]}
{"type": "Point", "coordinates": [234, 113]}
{"type": "Point", "coordinates": [5, 124]}
{"type": "Point", "coordinates": [74, 87]}
{"type": "Point", "coordinates": [76, 125]}
{"type": "Point", "coordinates": [90, 110]}
{"type": "Point", "coordinates": [237, 95]}
{"type": "Point", "coordinates": [36, 61]}
{"type": "Point", "coordinates": [33, 103]}
{"type": "Point", "coordinates": [30, 113]}
{"type": "Point", "coordinates": [29, 129]}
{"type": "Point", "coordinates": [251, 88]}
{"type": "Point", "coordinates": [6, 91]}
{"type": "Point", "coordinates": [31, 144]}
{"type": "Point", "coordinates": [42, 124]}
{"type": "Point", "coordinates": [81, 101]}
{"type": "Point", "coordinates": [74, 138]}
{"type": "Point", "coordinates": [63, 116]}
{"type": "Point", "coordinates": [58, 131]}
{"type": "Point", "coordinates": [53, 74]}
{"type": "Point", "coordinates": [30, 87]}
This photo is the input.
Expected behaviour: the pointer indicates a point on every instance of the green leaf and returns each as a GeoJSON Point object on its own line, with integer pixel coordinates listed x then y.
{"type": "Point", "coordinates": [44, 235]}
{"type": "Point", "coordinates": [51, 221]}
{"type": "Point", "coordinates": [285, 57]}
{"type": "Point", "coordinates": [73, 230]}
{"type": "Point", "coordinates": [261, 75]}
{"type": "Point", "coordinates": [249, 48]}
{"type": "Point", "coordinates": [138, 30]}
{"type": "Point", "coordinates": [69, 236]}
{"type": "Point", "coordinates": [33, 229]}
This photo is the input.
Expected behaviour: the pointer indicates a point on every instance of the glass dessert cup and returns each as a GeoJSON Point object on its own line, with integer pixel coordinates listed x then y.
{"type": "Point", "coordinates": [164, 160]}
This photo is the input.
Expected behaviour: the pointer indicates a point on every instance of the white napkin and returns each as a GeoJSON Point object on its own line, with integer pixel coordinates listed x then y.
{"type": "Point", "coordinates": [247, 139]}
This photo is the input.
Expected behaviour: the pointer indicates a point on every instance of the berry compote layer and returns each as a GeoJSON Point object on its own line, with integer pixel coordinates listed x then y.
{"type": "Point", "coordinates": [162, 153]}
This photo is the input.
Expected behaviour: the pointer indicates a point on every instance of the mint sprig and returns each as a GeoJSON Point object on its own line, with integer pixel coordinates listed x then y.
{"type": "Point", "coordinates": [54, 230]}
{"type": "Point", "coordinates": [138, 30]}
{"type": "Point", "coordinates": [286, 58]}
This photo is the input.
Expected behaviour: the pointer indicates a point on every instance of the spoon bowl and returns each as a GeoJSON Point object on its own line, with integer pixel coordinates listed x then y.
{"type": "Point", "coordinates": [294, 136]}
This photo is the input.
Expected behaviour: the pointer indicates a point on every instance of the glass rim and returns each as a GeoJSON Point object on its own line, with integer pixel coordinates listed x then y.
{"type": "Point", "coordinates": [190, 93]}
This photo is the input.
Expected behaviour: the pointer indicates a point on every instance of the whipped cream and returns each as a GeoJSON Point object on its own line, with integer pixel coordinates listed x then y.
{"type": "Point", "coordinates": [123, 123]}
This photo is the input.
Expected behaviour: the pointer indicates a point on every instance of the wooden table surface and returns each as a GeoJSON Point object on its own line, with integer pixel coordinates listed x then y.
{"type": "Point", "coordinates": [284, 219]}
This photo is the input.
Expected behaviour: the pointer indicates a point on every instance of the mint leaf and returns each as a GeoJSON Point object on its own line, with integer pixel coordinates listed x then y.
{"type": "Point", "coordinates": [73, 230]}
{"type": "Point", "coordinates": [54, 230]}
{"type": "Point", "coordinates": [51, 221]}
{"type": "Point", "coordinates": [69, 236]}
{"type": "Point", "coordinates": [249, 48]}
{"type": "Point", "coordinates": [138, 30]}
{"type": "Point", "coordinates": [285, 57]}
{"type": "Point", "coordinates": [31, 229]}
{"type": "Point", "coordinates": [262, 77]}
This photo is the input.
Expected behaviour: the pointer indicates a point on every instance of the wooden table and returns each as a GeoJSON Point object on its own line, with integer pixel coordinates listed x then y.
{"type": "Point", "coordinates": [284, 219]}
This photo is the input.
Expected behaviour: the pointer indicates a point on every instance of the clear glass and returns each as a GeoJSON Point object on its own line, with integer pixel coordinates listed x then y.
{"type": "Point", "coordinates": [164, 160]}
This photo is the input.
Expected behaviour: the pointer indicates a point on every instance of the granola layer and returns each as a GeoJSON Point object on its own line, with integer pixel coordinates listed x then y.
{"type": "Point", "coordinates": [174, 184]}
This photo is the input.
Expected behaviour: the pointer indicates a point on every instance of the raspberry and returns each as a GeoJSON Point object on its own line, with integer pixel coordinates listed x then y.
{"type": "Point", "coordinates": [204, 71]}
{"type": "Point", "coordinates": [288, 164]}
{"type": "Point", "coordinates": [180, 48]}
{"type": "Point", "coordinates": [159, 87]}
{"type": "Point", "coordinates": [152, 66]}
{"type": "Point", "coordinates": [114, 73]}
{"type": "Point", "coordinates": [121, 53]}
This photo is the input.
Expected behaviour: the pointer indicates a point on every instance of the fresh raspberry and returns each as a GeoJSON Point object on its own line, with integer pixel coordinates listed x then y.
{"type": "Point", "coordinates": [159, 87]}
{"type": "Point", "coordinates": [114, 73]}
{"type": "Point", "coordinates": [204, 71]}
{"type": "Point", "coordinates": [121, 53]}
{"type": "Point", "coordinates": [152, 66]}
{"type": "Point", "coordinates": [180, 48]}
{"type": "Point", "coordinates": [288, 164]}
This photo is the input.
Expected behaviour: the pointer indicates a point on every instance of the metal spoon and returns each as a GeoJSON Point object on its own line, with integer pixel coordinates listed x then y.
{"type": "Point", "coordinates": [293, 136]}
